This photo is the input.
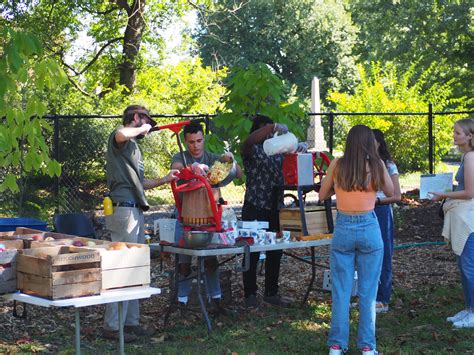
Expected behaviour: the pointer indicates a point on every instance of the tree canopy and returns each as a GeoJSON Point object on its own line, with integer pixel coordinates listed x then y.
{"type": "Point", "coordinates": [298, 39]}
{"type": "Point", "coordinates": [434, 34]}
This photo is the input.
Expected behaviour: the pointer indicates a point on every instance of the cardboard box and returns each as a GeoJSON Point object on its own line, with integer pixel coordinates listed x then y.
{"type": "Point", "coordinates": [290, 220]}
{"type": "Point", "coordinates": [8, 259]}
{"type": "Point", "coordinates": [252, 224]}
{"type": "Point", "coordinates": [59, 272]}
{"type": "Point", "coordinates": [126, 267]}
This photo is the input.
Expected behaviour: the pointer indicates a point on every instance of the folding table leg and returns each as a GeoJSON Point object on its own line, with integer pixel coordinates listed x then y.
{"type": "Point", "coordinates": [313, 276]}
{"type": "Point", "coordinates": [201, 301]}
{"type": "Point", "coordinates": [121, 338]}
{"type": "Point", "coordinates": [78, 331]}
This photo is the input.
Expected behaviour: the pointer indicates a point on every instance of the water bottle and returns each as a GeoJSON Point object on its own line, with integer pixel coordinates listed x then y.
{"type": "Point", "coordinates": [108, 206]}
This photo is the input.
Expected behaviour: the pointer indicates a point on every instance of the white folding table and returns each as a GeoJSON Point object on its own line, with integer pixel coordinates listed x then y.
{"type": "Point", "coordinates": [110, 296]}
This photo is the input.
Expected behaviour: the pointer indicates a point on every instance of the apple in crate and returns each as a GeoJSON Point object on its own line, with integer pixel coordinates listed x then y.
{"type": "Point", "coordinates": [78, 243]}
{"type": "Point", "coordinates": [90, 243]}
{"type": "Point", "coordinates": [37, 237]}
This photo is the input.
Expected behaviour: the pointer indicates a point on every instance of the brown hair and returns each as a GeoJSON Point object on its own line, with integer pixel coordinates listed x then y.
{"type": "Point", "coordinates": [467, 125]}
{"type": "Point", "coordinates": [130, 111]}
{"type": "Point", "coordinates": [359, 162]}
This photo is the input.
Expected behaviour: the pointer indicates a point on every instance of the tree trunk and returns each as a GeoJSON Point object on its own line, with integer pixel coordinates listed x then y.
{"type": "Point", "coordinates": [131, 43]}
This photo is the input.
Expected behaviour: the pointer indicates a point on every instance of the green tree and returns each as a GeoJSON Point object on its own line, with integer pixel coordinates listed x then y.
{"type": "Point", "coordinates": [121, 31]}
{"type": "Point", "coordinates": [387, 90]}
{"type": "Point", "coordinates": [25, 74]}
{"type": "Point", "coordinates": [298, 39]}
{"type": "Point", "coordinates": [251, 90]}
{"type": "Point", "coordinates": [436, 34]}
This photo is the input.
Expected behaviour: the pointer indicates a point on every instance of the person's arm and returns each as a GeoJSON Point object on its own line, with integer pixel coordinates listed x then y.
{"type": "Point", "coordinates": [257, 136]}
{"type": "Point", "coordinates": [228, 157]}
{"type": "Point", "coordinates": [397, 193]}
{"type": "Point", "coordinates": [327, 185]}
{"type": "Point", "coordinates": [468, 191]}
{"type": "Point", "coordinates": [152, 183]}
{"type": "Point", "coordinates": [124, 134]}
{"type": "Point", "coordinates": [387, 186]}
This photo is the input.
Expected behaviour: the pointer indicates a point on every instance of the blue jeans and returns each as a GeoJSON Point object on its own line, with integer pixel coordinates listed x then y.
{"type": "Point", "coordinates": [466, 267]}
{"type": "Point", "coordinates": [210, 276]}
{"type": "Point", "coordinates": [357, 242]}
{"type": "Point", "coordinates": [385, 217]}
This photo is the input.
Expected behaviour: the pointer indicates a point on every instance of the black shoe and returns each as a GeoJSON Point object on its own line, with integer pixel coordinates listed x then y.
{"type": "Point", "coordinates": [277, 300]}
{"type": "Point", "coordinates": [251, 301]}
{"type": "Point", "coordinates": [138, 330]}
{"type": "Point", "coordinates": [114, 335]}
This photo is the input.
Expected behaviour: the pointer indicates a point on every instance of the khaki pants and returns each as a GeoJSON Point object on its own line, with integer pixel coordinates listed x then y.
{"type": "Point", "coordinates": [126, 224]}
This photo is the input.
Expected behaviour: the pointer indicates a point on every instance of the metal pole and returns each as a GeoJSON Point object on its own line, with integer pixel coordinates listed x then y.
{"type": "Point", "coordinates": [331, 132]}
{"type": "Point", "coordinates": [56, 157]}
{"type": "Point", "coordinates": [121, 336]}
{"type": "Point", "coordinates": [78, 332]}
{"type": "Point", "coordinates": [430, 138]}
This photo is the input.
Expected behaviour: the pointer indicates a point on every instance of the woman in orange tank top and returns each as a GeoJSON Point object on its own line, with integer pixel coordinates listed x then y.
{"type": "Point", "coordinates": [357, 243]}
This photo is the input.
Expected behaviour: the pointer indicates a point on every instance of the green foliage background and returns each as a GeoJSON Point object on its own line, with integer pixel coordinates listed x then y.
{"type": "Point", "coordinates": [383, 89]}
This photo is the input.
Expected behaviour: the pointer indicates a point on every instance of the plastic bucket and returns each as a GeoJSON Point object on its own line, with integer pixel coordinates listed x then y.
{"type": "Point", "coordinates": [167, 229]}
{"type": "Point", "coordinates": [10, 224]}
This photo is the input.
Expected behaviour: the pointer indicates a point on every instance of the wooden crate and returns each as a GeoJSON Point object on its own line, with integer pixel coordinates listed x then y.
{"type": "Point", "coordinates": [59, 272]}
{"type": "Point", "coordinates": [126, 267]}
{"type": "Point", "coordinates": [51, 241]}
{"type": "Point", "coordinates": [290, 220]}
{"type": "Point", "coordinates": [8, 259]}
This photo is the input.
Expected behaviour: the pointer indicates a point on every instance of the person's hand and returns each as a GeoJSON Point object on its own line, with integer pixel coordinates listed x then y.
{"type": "Point", "coordinates": [302, 147]}
{"type": "Point", "coordinates": [227, 157]}
{"type": "Point", "coordinates": [145, 128]}
{"type": "Point", "coordinates": [200, 169]}
{"type": "Point", "coordinates": [172, 175]}
{"type": "Point", "coordinates": [435, 196]}
{"type": "Point", "coordinates": [280, 128]}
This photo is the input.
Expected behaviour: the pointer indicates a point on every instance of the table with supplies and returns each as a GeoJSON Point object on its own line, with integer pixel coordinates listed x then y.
{"type": "Point", "coordinates": [220, 250]}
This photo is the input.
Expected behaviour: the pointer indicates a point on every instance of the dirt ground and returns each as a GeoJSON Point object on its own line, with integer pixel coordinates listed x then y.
{"type": "Point", "coordinates": [420, 261]}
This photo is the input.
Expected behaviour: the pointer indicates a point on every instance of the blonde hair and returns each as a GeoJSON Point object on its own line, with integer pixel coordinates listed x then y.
{"type": "Point", "coordinates": [467, 125]}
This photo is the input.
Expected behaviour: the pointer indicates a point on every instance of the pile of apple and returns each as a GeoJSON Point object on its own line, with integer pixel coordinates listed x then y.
{"type": "Point", "coordinates": [3, 247]}
{"type": "Point", "coordinates": [80, 243]}
{"type": "Point", "coordinates": [120, 246]}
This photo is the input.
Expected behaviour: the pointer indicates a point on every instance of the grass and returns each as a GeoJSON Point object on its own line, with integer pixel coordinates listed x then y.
{"type": "Point", "coordinates": [415, 324]}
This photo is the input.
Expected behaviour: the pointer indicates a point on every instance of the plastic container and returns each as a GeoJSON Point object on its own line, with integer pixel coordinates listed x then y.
{"type": "Point", "coordinates": [167, 229]}
{"type": "Point", "coordinates": [108, 205]}
{"type": "Point", "coordinates": [10, 224]}
{"type": "Point", "coordinates": [279, 144]}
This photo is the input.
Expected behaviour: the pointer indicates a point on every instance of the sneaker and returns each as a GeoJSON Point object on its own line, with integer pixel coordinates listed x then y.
{"type": "Point", "coordinates": [277, 300]}
{"type": "Point", "coordinates": [381, 307]}
{"type": "Point", "coordinates": [114, 335]}
{"type": "Point", "coordinates": [139, 330]}
{"type": "Point", "coordinates": [335, 350]}
{"type": "Point", "coordinates": [368, 351]}
{"type": "Point", "coordinates": [466, 322]}
{"type": "Point", "coordinates": [251, 301]}
{"type": "Point", "coordinates": [458, 316]}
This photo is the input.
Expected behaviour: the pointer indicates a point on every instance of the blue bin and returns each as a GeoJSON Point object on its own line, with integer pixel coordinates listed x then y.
{"type": "Point", "coordinates": [10, 224]}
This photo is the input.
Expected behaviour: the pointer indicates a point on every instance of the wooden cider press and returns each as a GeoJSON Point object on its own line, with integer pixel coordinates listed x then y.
{"type": "Point", "coordinates": [199, 204]}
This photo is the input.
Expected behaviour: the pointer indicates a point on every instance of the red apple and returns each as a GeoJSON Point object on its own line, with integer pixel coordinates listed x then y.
{"type": "Point", "coordinates": [37, 237]}
{"type": "Point", "coordinates": [78, 243]}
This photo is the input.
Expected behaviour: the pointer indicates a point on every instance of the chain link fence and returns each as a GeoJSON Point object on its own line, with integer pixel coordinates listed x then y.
{"type": "Point", "coordinates": [79, 143]}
